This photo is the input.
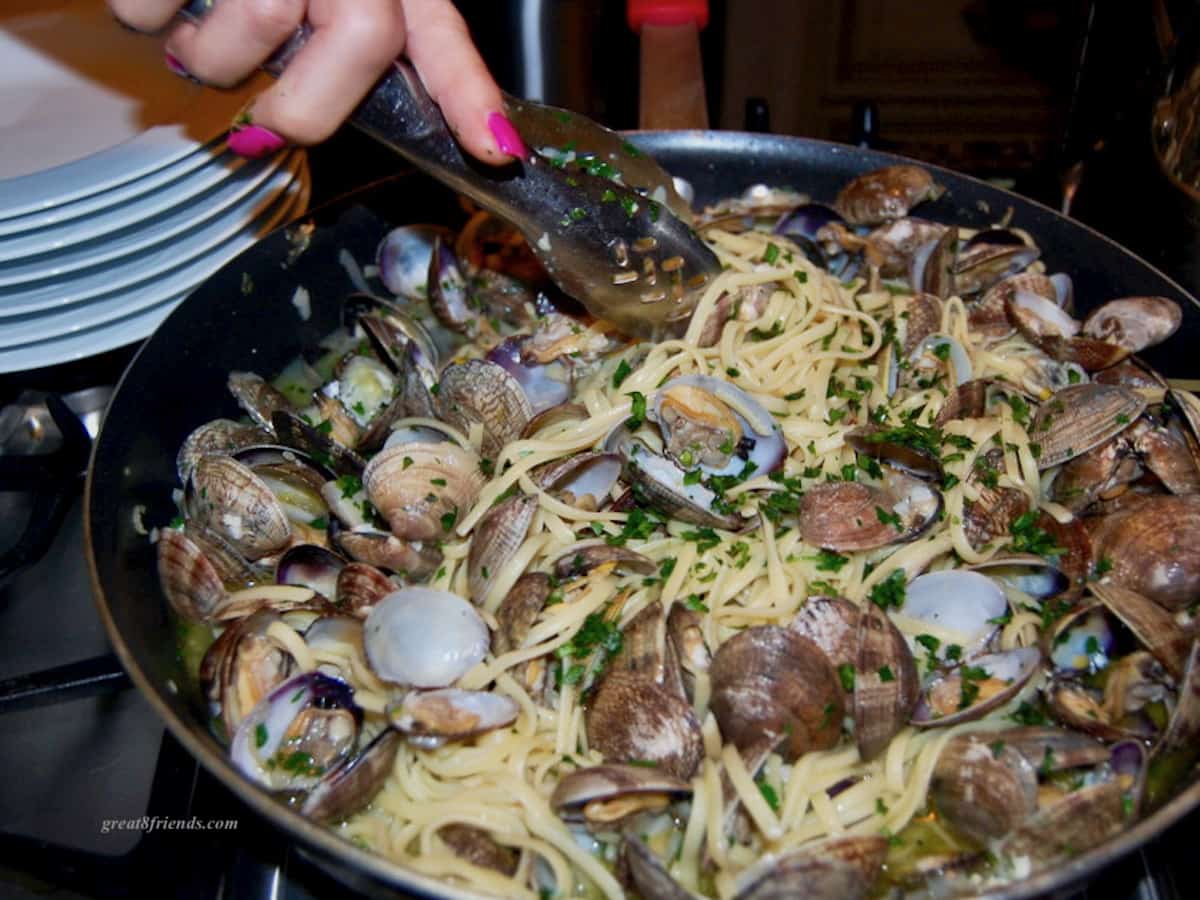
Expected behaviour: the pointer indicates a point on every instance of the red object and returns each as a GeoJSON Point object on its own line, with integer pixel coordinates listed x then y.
{"type": "Point", "coordinates": [666, 13]}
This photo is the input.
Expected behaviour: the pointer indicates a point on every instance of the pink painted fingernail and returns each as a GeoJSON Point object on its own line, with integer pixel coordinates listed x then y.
{"type": "Point", "coordinates": [177, 68]}
{"type": "Point", "coordinates": [506, 135]}
{"type": "Point", "coordinates": [254, 141]}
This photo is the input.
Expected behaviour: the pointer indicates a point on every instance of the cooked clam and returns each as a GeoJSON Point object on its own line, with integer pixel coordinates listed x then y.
{"type": "Point", "coordinates": [771, 683]}
{"type": "Point", "coordinates": [424, 638]}
{"type": "Point", "coordinates": [422, 488]}
{"type": "Point", "coordinates": [887, 193]}
{"type": "Point", "coordinates": [985, 788]}
{"type": "Point", "coordinates": [885, 682]}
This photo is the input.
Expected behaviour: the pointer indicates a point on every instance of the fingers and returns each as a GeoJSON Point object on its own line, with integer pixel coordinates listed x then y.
{"type": "Point", "coordinates": [235, 38]}
{"type": "Point", "coordinates": [455, 75]}
{"type": "Point", "coordinates": [352, 43]}
{"type": "Point", "coordinates": [145, 15]}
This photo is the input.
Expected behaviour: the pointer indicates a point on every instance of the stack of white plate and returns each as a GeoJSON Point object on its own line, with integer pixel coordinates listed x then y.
{"type": "Point", "coordinates": [117, 196]}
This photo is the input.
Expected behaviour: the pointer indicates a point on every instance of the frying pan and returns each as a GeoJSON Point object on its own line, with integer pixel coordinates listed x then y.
{"type": "Point", "coordinates": [244, 318]}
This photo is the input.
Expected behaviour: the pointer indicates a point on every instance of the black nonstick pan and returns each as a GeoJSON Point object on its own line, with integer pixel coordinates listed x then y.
{"type": "Point", "coordinates": [244, 318]}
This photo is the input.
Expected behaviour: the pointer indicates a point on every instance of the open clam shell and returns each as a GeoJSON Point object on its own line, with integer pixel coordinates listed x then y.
{"type": "Point", "coordinates": [966, 604]}
{"type": "Point", "coordinates": [351, 786]}
{"type": "Point", "coordinates": [956, 696]}
{"type": "Point", "coordinates": [610, 792]}
{"type": "Point", "coordinates": [452, 714]}
{"type": "Point", "coordinates": [304, 728]}
{"type": "Point", "coordinates": [228, 498]}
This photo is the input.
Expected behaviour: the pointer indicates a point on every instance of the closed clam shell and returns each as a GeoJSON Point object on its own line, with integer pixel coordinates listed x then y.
{"type": "Point", "coordinates": [1153, 548]}
{"type": "Point", "coordinates": [884, 194]}
{"type": "Point", "coordinates": [984, 786]}
{"type": "Point", "coordinates": [885, 682]}
{"type": "Point", "coordinates": [1134, 323]}
{"type": "Point", "coordinates": [519, 610]}
{"type": "Point", "coordinates": [839, 868]}
{"type": "Point", "coordinates": [189, 581]}
{"type": "Point", "coordinates": [483, 393]}
{"type": "Point", "coordinates": [832, 624]}
{"type": "Point", "coordinates": [422, 489]}
{"type": "Point", "coordinates": [479, 848]}
{"type": "Point", "coordinates": [1073, 825]}
{"type": "Point", "coordinates": [773, 683]}
{"type": "Point", "coordinates": [843, 515]}
{"type": "Point", "coordinates": [228, 498]}
{"type": "Point", "coordinates": [1080, 417]}
{"type": "Point", "coordinates": [219, 437]}
{"type": "Point", "coordinates": [630, 717]}
{"type": "Point", "coordinates": [497, 536]}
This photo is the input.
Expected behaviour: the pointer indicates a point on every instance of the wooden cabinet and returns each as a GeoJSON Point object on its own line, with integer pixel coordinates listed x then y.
{"type": "Point", "coordinates": [943, 93]}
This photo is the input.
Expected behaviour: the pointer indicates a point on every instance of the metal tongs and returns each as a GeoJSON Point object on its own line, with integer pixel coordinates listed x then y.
{"type": "Point", "coordinates": [625, 254]}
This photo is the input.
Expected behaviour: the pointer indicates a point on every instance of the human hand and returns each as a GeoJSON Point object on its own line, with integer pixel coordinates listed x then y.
{"type": "Point", "coordinates": [352, 44]}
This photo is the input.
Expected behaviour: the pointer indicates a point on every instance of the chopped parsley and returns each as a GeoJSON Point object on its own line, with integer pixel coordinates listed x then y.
{"type": "Point", "coordinates": [885, 674]}
{"type": "Point", "coordinates": [448, 520]}
{"type": "Point", "coordinates": [1027, 537]}
{"type": "Point", "coordinates": [260, 734]}
{"type": "Point", "coordinates": [767, 791]}
{"type": "Point", "coordinates": [970, 677]}
{"type": "Point", "coordinates": [846, 675]}
{"type": "Point", "coordinates": [889, 518]}
{"type": "Point", "coordinates": [890, 592]}
{"type": "Point", "coordinates": [771, 254]}
{"type": "Point", "coordinates": [704, 538]}
{"type": "Point", "coordinates": [637, 411]}
{"type": "Point", "coordinates": [623, 371]}
{"type": "Point", "coordinates": [349, 485]}
{"type": "Point", "coordinates": [695, 604]}
{"type": "Point", "coordinates": [828, 561]}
